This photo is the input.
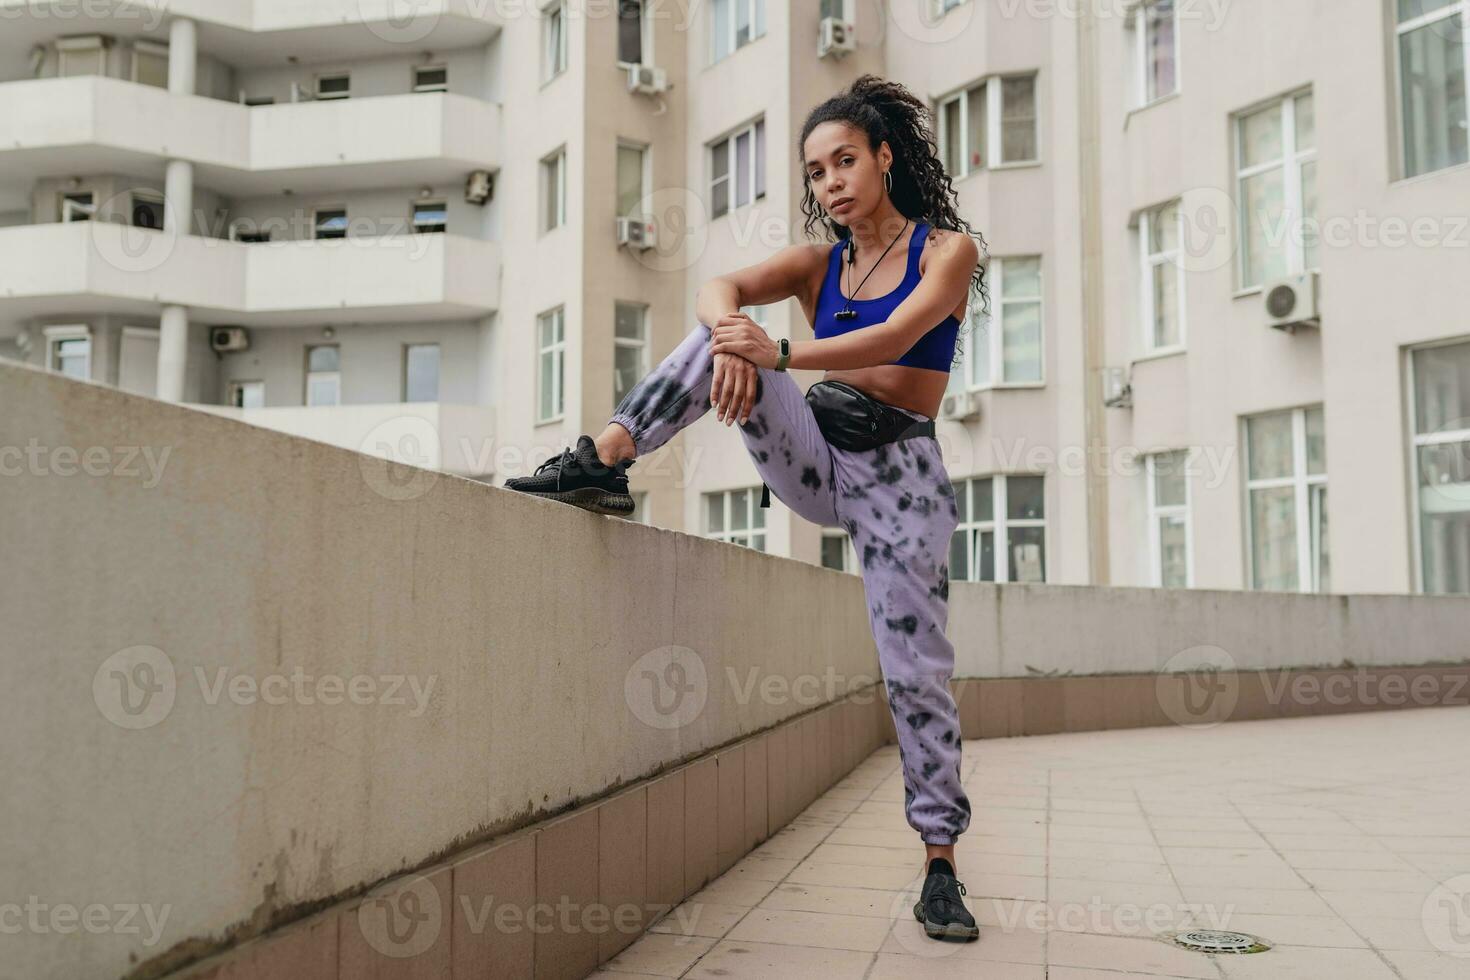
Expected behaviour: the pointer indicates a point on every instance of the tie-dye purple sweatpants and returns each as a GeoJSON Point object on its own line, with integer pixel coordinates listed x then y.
{"type": "Point", "coordinates": [897, 504]}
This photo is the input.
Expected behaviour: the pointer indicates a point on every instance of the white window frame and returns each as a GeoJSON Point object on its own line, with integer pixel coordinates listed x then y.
{"type": "Point", "coordinates": [554, 188]}
{"type": "Point", "coordinates": [325, 76]}
{"type": "Point", "coordinates": [995, 324]}
{"type": "Point", "coordinates": [849, 551]}
{"type": "Point", "coordinates": [66, 205]}
{"type": "Point", "coordinates": [1308, 553]}
{"type": "Point", "coordinates": [420, 86]}
{"type": "Point", "coordinates": [644, 166]}
{"type": "Point", "coordinates": [426, 227]}
{"type": "Point", "coordinates": [144, 48]}
{"type": "Point", "coordinates": [994, 125]}
{"type": "Point", "coordinates": [1138, 24]}
{"type": "Point", "coordinates": [645, 36]}
{"type": "Point", "coordinates": [556, 350]}
{"type": "Point", "coordinates": [1292, 160]}
{"type": "Point", "coordinates": [81, 47]}
{"type": "Point", "coordinates": [553, 40]}
{"type": "Point", "coordinates": [408, 348]}
{"type": "Point", "coordinates": [998, 524]}
{"type": "Point", "coordinates": [757, 9]}
{"type": "Point", "coordinates": [1417, 441]}
{"type": "Point", "coordinates": [1158, 512]}
{"type": "Point", "coordinates": [238, 387]}
{"type": "Point", "coordinates": [640, 344]}
{"type": "Point", "coordinates": [1149, 262]}
{"type": "Point", "coordinates": [1460, 7]}
{"type": "Point", "coordinates": [56, 333]}
{"type": "Point", "coordinates": [756, 130]}
{"type": "Point", "coordinates": [754, 512]}
{"type": "Point", "coordinates": [333, 376]}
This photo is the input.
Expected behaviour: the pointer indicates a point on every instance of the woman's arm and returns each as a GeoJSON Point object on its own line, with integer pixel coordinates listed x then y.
{"type": "Point", "coordinates": [788, 273]}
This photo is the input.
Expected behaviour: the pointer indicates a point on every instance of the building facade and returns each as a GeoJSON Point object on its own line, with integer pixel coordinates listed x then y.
{"type": "Point", "coordinates": [1227, 250]}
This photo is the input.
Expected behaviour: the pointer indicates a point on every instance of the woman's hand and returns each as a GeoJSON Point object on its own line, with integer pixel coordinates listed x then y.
{"type": "Point", "coordinates": [736, 333]}
{"type": "Point", "coordinates": [733, 390]}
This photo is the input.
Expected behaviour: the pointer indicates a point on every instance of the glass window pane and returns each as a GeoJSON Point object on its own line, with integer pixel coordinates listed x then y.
{"type": "Point", "coordinates": [324, 358]}
{"type": "Point", "coordinates": [1021, 278]}
{"type": "Point", "coordinates": [742, 22]}
{"type": "Point", "coordinates": [1163, 229]}
{"type": "Point", "coordinates": [1166, 304]}
{"type": "Point", "coordinates": [630, 178]}
{"type": "Point", "coordinates": [1024, 498]}
{"type": "Point", "coordinates": [983, 499]}
{"type": "Point", "coordinates": [1018, 119]}
{"type": "Point", "coordinates": [1316, 441]}
{"type": "Point", "coordinates": [758, 513]}
{"type": "Point", "coordinates": [833, 549]}
{"type": "Point", "coordinates": [1170, 476]}
{"type": "Point", "coordinates": [760, 157]}
{"type": "Point", "coordinates": [1320, 554]}
{"type": "Point", "coordinates": [739, 511]}
{"type": "Point", "coordinates": [1442, 388]}
{"type": "Point", "coordinates": [322, 391]}
{"type": "Point", "coordinates": [758, 542]}
{"type": "Point", "coordinates": [714, 511]}
{"type": "Point", "coordinates": [630, 31]}
{"type": "Point", "coordinates": [1270, 446]}
{"type": "Point", "coordinates": [962, 499]}
{"type": "Point", "coordinates": [959, 562]}
{"type": "Point", "coordinates": [1021, 342]}
{"type": "Point", "coordinates": [742, 169]}
{"type": "Point", "coordinates": [1027, 554]}
{"type": "Point", "coordinates": [628, 321]}
{"type": "Point", "coordinates": [1444, 516]}
{"type": "Point", "coordinates": [1260, 136]}
{"type": "Point", "coordinates": [720, 27]}
{"type": "Point", "coordinates": [422, 373]}
{"type": "Point", "coordinates": [1161, 49]}
{"type": "Point", "coordinates": [548, 379]}
{"type": "Point", "coordinates": [1432, 65]}
{"type": "Point", "coordinates": [975, 138]}
{"type": "Point", "coordinates": [1273, 538]}
{"type": "Point", "coordinates": [953, 146]}
{"type": "Point", "coordinates": [1173, 553]}
{"type": "Point", "coordinates": [1306, 122]}
{"type": "Point", "coordinates": [1310, 237]}
{"type": "Point", "coordinates": [985, 555]}
{"type": "Point", "coordinates": [760, 26]}
{"type": "Point", "coordinates": [720, 177]}
{"type": "Point", "coordinates": [1409, 9]}
{"type": "Point", "coordinates": [1263, 201]}
{"type": "Point", "coordinates": [627, 368]}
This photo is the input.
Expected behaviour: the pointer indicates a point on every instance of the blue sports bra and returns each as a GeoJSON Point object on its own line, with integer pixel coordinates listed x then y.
{"type": "Point", "coordinates": [934, 350]}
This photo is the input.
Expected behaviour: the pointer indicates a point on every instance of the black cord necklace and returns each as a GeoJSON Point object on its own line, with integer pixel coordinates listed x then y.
{"type": "Point", "coordinates": [847, 312]}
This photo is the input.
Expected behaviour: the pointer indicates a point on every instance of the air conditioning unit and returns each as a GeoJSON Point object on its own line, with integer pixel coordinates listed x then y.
{"type": "Point", "coordinates": [1117, 392]}
{"type": "Point", "coordinates": [837, 38]}
{"type": "Point", "coordinates": [640, 233]}
{"type": "Point", "coordinates": [229, 338]}
{"type": "Point", "coordinates": [480, 187]}
{"type": "Point", "coordinates": [1292, 302]}
{"type": "Point", "coordinates": [960, 405]}
{"type": "Point", "coordinates": [647, 80]}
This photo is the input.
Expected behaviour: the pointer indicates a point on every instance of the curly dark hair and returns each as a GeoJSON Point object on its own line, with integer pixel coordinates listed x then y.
{"type": "Point", "coordinates": [922, 190]}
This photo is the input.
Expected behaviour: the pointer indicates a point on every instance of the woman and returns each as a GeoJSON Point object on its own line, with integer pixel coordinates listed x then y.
{"type": "Point", "coordinates": [858, 450]}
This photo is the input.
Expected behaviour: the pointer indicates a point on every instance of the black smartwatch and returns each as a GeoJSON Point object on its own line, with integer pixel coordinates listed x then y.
{"type": "Point", "coordinates": [783, 358]}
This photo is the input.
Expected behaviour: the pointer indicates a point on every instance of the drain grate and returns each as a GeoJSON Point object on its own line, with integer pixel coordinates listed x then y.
{"type": "Point", "coordinates": [1210, 941]}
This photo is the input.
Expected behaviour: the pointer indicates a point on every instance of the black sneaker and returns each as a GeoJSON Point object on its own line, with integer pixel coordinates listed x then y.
{"type": "Point", "coordinates": [578, 477]}
{"type": "Point", "coordinates": [940, 907]}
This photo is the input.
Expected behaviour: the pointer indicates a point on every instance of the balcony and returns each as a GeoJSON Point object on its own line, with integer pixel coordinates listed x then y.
{"type": "Point", "coordinates": [94, 124]}
{"type": "Point", "coordinates": [100, 267]}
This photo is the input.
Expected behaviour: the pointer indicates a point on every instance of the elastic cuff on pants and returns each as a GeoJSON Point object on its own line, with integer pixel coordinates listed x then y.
{"type": "Point", "coordinates": [627, 422]}
{"type": "Point", "coordinates": [938, 839]}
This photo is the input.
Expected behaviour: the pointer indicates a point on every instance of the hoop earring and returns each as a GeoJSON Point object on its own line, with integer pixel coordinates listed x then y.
{"type": "Point", "coordinates": [888, 180]}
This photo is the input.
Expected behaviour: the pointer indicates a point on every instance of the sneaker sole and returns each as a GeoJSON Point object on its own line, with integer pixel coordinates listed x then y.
{"type": "Point", "coordinates": [593, 499]}
{"type": "Point", "coordinates": [948, 930]}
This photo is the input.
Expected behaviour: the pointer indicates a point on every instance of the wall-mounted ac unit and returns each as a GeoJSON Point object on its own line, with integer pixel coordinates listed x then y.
{"type": "Point", "coordinates": [229, 338]}
{"type": "Point", "coordinates": [960, 405]}
{"type": "Point", "coordinates": [647, 80]}
{"type": "Point", "coordinates": [640, 233]}
{"type": "Point", "coordinates": [480, 187]}
{"type": "Point", "coordinates": [1117, 391]}
{"type": "Point", "coordinates": [837, 38]}
{"type": "Point", "coordinates": [1291, 302]}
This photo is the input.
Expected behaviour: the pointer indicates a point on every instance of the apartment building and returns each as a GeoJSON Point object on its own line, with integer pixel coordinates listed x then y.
{"type": "Point", "coordinates": [1227, 250]}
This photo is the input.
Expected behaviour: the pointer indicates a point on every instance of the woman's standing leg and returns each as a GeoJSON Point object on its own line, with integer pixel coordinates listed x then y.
{"type": "Point", "coordinates": [897, 503]}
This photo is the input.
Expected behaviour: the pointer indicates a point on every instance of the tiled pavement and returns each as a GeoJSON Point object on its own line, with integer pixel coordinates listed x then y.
{"type": "Point", "coordinates": [1344, 840]}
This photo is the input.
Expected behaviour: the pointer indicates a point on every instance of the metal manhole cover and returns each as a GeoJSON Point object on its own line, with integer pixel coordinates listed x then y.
{"type": "Point", "coordinates": [1210, 941]}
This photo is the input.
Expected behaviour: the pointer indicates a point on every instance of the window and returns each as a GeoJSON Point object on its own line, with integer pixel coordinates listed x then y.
{"type": "Point", "coordinates": [429, 217]}
{"type": "Point", "coordinates": [833, 8]}
{"type": "Point", "coordinates": [760, 313]}
{"type": "Point", "coordinates": [84, 54]}
{"type": "Point", "coordinates": [147, 209]}
{"type": "Point", "coordinates": [150, 63]}
{"type": "Point", "coordinates": [329, 223]}
{"type": "Point", "coordinates": [631, 25]}
{"type": "Point", "coordinates": [1168, 519]}
{"type": "Point", "coordinates": [1002, 532]}
{"type": "Point", "coordinates": [421, 373]}
{"type": "Point", "coordinates": [632, 183]}
{"type": "Point", "coordinates": [1434, 60]}
{"type": "Point", "coordinates": [988, 125]}
{"type": "Point", "coordinates": [334, 86]}
{"type": "Point", "coordinates": [737, 517]}
{"type": "Point", "coordinates": [246, 394]}
{"type": "Point", "coordinates": [551, 359]}
{"type": "Point", "coordinates": [1006, 348]}
{"type": "Point", "coordinates": [69, 351]}
{"type": "Point", "coordinates": [941, 7]}
{"type": "Point", "coordinates": [255, 100]}
{"type": "Point", "coordinates": [1440, 381]}
{"type": "Point", "coordinates": [1156, 51]}
{"type": "Point", "coordinates": [431, 78]}
{"type": "Point", "coordinates": [1162, 296]}
{"type": "Point", "coordinates": [554, 190]}
{"type": "Point", "coordinates": [1276, 167]}
{"type": "Point", "coordinates": [734, 24]}
{"type": "Point", "coordinates": [837, 550]}
{"type": "Point", "coordinates": [79, 206]}
{"type": "Point", "coordinates": [1286, 500]}
{"type": "Point", "coordinates": [630, 348]}
{"type": "Point", "coordinates": [738, 169]}
{"type": "Point", "coordinates": [553, 40]}
{"type": "Point", "coordinates": [323, 375]}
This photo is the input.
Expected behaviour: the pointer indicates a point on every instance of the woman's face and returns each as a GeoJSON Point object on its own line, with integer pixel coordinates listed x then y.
{"type": "Point", "coordinates": [845, 176]}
